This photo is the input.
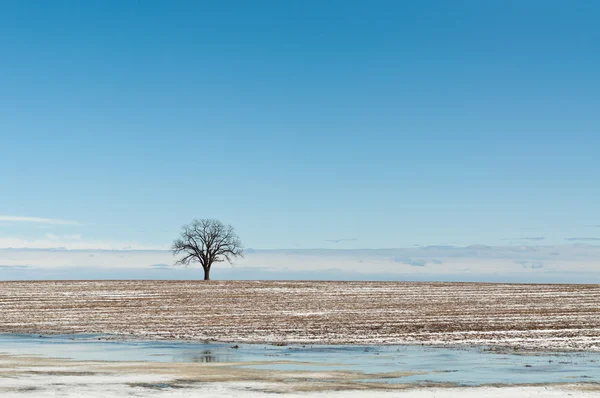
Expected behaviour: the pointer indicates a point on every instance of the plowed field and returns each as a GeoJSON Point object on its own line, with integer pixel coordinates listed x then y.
{"type": "Point", "coordinates": [525, 316]}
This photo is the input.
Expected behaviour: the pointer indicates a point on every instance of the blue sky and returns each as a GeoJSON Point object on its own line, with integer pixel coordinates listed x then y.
{"type": "Point", "coordinates": [386, 124]}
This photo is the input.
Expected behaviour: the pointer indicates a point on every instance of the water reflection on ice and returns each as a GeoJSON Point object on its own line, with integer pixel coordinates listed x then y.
{"type": "Point", "coordinates": [465, 366]}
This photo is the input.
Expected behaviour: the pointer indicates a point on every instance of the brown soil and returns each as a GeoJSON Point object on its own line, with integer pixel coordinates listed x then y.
{"type": "Point", "coordinates": [525, 316]}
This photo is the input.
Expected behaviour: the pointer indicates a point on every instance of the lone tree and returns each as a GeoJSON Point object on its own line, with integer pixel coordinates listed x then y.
{"type": "Point", "coordinates": [206, 242]}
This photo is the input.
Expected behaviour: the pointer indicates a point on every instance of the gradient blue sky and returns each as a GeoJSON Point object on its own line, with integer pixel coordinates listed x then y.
{"type": "Point", "coordinates": [386, 123]}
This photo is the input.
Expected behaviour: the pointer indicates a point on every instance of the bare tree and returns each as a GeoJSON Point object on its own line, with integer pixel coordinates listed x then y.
{"type": "Point", "coordinates": [206, 242]}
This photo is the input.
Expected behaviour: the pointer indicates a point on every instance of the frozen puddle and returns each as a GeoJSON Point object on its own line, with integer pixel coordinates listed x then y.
{"type": "Point", "coordinates": [381, 364]}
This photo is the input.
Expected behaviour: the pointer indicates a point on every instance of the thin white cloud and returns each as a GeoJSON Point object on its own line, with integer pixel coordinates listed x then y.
{"type": "Point", "coordinates": [70, 242]}
{"type": "Point", "coordinates": [62, 237]}
{"type": "Point", "coordinates": [37, 220]}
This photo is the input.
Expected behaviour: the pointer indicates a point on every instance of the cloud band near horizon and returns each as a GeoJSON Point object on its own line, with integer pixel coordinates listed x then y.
{"type": "Point", "coordinates": [37, 220]}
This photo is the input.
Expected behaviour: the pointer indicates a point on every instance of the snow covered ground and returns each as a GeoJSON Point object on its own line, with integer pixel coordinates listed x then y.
{"type": "Point", "coordinates": [45, 377]}
{"type": "Point", "coordinates": [241, 391]}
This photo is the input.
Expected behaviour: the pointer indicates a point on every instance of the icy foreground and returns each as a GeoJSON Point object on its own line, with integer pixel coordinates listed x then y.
{"type": "Point", "coordinates": [562, 317]}
{"type": "Point", "coordinates": [45, 377]}
{"type": "Point", "coordinates": [233, 391]}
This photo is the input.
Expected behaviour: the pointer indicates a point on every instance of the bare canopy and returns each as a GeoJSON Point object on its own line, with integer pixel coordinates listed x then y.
{"type": "Point", "coordinates": [207, 241]}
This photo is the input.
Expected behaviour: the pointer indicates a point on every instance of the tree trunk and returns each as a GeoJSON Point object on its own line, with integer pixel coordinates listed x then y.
{"type": "Point", "coordinates": [207, 274]}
